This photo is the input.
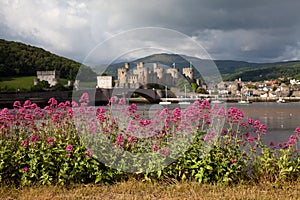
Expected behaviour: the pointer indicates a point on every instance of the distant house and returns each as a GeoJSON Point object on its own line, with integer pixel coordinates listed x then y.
{"type": "Point", "coordinates": [105, 82]}
{"type": "Point", "coordinates": [52, 77]}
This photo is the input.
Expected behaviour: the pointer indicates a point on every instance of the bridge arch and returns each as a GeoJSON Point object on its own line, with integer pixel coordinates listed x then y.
{"type": "Point", "coordinates": [151, 95]}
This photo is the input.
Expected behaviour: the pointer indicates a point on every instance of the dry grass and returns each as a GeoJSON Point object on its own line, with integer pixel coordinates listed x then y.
{"type": "Point", "coordinates": [141, 190]}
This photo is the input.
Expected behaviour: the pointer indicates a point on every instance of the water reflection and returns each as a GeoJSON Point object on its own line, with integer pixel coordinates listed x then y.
{"type": "Point", "coordinates": [281, 119]}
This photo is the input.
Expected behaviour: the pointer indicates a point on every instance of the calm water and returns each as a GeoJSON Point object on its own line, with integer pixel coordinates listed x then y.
{"type": "Point", "coordinates": [281, 118]}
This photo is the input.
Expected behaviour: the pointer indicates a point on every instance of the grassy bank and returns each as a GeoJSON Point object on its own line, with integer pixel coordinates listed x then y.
{"type": "Point", "coordinates": [145, 190]}
{"type": "Point", "coordinates": [25, 82]}
{"type": "Point", "coordinates": [22, 83]}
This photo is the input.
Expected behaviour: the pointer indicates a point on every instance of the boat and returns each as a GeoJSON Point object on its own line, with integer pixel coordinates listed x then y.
{"type": "Point", "coordinates": [244, 101]}
{"type": "Point", "coordinates": [184, 102]}
{"type": "Point", "coordinates": [216, 101]}
{"type": "Point", "coordinates": [280, 100]}
{"type": "Point", "coordinates": [165, 102]}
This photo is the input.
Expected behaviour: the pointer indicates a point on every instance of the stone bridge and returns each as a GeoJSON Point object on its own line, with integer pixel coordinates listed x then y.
{"type": "Point", "coordinates": [153, 96]}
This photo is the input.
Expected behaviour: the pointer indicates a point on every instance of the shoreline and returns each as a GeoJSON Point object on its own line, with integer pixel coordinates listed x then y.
{"type": "Point", "coordinates": [224, 99]}
{"type": "Point", "coordinates": [41, 98]}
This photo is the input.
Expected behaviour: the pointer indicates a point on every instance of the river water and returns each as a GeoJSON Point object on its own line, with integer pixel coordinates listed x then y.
{"type": "Point", "coordinates": [281, 119]}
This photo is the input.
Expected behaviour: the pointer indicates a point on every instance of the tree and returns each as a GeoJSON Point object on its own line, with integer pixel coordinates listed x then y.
{"type": "Point", "coordinates": [41, 86]}
{"type": "Point", "coordinates": [194, 87]}
{"type": "Point", "coordinates": [201, 90]}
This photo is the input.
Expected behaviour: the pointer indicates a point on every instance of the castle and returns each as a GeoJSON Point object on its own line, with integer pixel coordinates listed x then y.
{"type": "Point", "coordinates": [142, 76]}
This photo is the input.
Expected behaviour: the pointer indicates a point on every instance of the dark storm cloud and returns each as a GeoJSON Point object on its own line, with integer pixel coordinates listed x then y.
{"type": "Point", "coordinates": [265, 30]}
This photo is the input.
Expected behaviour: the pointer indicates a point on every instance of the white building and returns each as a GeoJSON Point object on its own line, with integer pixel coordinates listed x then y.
{"type": "Point", "coordinates": [52, 77]}
{"type": "Point", "coordinates": [105, 82]}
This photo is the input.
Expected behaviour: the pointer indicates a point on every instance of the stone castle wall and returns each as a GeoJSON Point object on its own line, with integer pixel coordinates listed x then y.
{"type": "Point", "coordinates": [142, 75]}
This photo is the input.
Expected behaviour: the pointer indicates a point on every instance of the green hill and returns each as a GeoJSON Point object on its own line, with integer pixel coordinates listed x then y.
{"type": "Point", "coordinates": [18, 59]}
{"type": "Point", "coordinates": [267, 72]}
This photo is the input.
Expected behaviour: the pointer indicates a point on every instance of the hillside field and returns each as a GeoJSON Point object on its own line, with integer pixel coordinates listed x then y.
{"type": "Point", "coordinates": [22, 83]}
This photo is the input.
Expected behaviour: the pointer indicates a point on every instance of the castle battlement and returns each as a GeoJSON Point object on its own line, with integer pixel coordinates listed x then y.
{"type": "Point", "coordinates": [143, 75]}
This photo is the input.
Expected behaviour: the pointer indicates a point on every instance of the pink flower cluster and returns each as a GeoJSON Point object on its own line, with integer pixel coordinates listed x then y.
{"type": "Point", "coordinates": [127, 129]}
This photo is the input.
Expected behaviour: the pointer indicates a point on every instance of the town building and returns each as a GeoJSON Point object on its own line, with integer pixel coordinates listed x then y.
{"type": "Point", "coordinates": [52, 77]}
{"type": "Point", "coordinates": [105, 82]}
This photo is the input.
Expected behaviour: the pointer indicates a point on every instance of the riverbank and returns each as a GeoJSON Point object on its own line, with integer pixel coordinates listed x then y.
{"type": "Point", "coordinates": [134, 189]}
{"type": "Point", "coordinates": [101, 97]}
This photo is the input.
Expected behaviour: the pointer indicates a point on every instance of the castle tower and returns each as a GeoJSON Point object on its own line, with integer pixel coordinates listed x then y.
{"type": "Point", "coordinates": [140, 65]}
{"type": "Point", "coordinates": [122, 75]}
{"type": "Point", "coordinates": [188, 72]}
{"type": "Point", "coordinates": [173, 72]}
{"type": "Point", "coordinates": [158, 70]}
{"type": "Point", "coordinates": [142, 73]}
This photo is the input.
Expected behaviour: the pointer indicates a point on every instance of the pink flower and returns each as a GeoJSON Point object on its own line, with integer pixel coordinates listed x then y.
{"type": "Point", "coordinates": [205, 104]}
{"type": "Point", "coordinates": [52, 102]}
{"type": "Point", "coordinates": [122, 101]}
{"type": "Point", "coordinates": [120, 140]}
{"type": "Point", "coordinates": [250, 139]}
{"type": "Point", "coordinates": [33, 138]}
{"type": "Point", "coordinates": [224, 132]}
{"type": "Point", "coordinates": [292, 140]}
{"type": "Point", "coordinates": [166, 151]}
{"type": "Point", "coordinates": [74, 104]}
{"type": "Point", "coordinates": [297, 130]}
{"type": "Point", "coordinates": [271, 143]}
{"type": "Point", "coordinates": [89, 152]}
{"type": "Point", "coordinates": [176, 114]}
{"type": "Point", "coordinates": [262, 128]}
{"type": "Point", "coordinates": [84, 98]}
{"type": "Point", "coordinates": [27, 104]}
{"type": "Point", "coordinates": [235, 115]}
{"type": "Point", "coordinates": [208, 121]}
{"type": "Point", "coordinates": [155, 147]}
{"type": "Point", "coordinates": [24, 143]}
{"type": "Point", "coordinates": [207, 137]}
{"type": "Point", "coordinates": [112, 100]}
{"type": "Point", "coordinates": [101, 117]}
{"type": "Point", "coordinates": [69, 148]}
{"type": "Point", "coordinates": [101, 110]}
{"type": "Point", "coordinates": [132, 138]}
{"type": "Point", "coordinates": [221, 112]}
{"type": "Point", "coordinates": [51, 141]}
{"type": "Point", "coordinates": [25, 169]}
{"type": "Point", "coordinates": [33, 106]}
{"type": "Point", "coordinates": [17, 104]}
{"type": "Point", "coordinates": [29, 117]}
{"type": "Point", "coordinates": [250, 121]}
{"type": "Point", "coordinates": [144, 123]}
{"type": "Point", "coordinates": [55, 117]}
{"type": "Point", "coordinates": [61, 105]}
{"type": "Point", "coordinates": [256, 123]}
{"type": "Point", "coordinates": [232, 160]}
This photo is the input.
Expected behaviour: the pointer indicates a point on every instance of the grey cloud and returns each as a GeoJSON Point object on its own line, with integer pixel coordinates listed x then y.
{"type": "Point", "coordinates": [257, 30]}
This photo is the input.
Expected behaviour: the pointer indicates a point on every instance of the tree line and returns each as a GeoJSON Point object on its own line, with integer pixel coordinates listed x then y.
{"type": "Point", "coordinates": [18, 59]}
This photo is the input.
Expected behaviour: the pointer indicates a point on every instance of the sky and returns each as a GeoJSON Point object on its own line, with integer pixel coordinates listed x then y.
{"type": "Point", "coordinates": [255, 31]}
